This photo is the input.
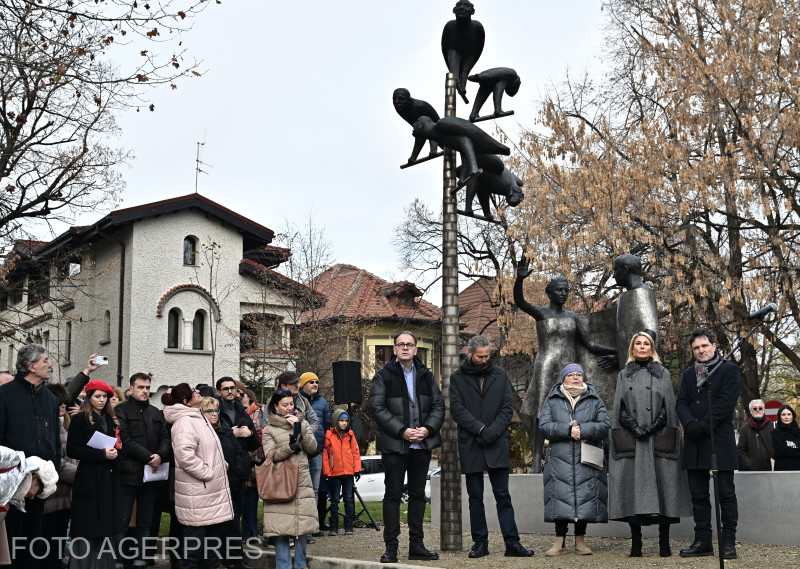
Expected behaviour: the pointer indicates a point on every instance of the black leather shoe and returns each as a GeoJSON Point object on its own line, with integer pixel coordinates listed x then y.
{"type": "Point", "coordinates": [390, 556]}
{"type": "Point", "coordinates": [420, 553]}
{"type": "Point", "coordinates": [518, 550]}
{"type": "Point", "coordinates": [729, 550]}
{"type": "Point", "coordinates": [479, 549]}
{"type": "Point", "coordinates": [698, 549]}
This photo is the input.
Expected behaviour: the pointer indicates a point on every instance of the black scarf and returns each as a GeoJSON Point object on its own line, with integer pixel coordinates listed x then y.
{"type": "Point", "coordinates": [791, 427]}
{"type": "Point", "coordinates": [471, 368]}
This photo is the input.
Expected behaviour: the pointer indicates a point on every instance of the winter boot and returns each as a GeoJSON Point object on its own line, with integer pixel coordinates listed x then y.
{"type": "Point", "coordinates": [559, 548]}
{"type": "Point", "coordinates": [580, 546]}
{"type": "Point", "coordinates": [348, 526]}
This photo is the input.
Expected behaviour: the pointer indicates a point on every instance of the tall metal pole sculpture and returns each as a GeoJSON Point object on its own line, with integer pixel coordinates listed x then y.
{"type": "Point", "coordinates": [462, 44]}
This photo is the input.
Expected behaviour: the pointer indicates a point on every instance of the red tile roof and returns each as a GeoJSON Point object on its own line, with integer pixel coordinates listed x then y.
{"type": "Point", "coordinates": [356, 293]}
{"type": "Point", "coordinates": [478, 308]}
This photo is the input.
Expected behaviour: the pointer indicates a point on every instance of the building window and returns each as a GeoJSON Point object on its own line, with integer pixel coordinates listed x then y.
{"type": "Point", "coordinates": [38, 289]}
{"type": "Point", "coordinates": [107, 326]}
{"type": "Point", "coordinates": [383, 354]}
{"type": "Point", "coordinates": [173, 328]}
{"type": "Point", "coordinates": [422, 354]}
{"type": "Point", "coordinates": [198, 330]}
{"type": "Point", "coordinates": [260, 333]}
{"type": "Point", "coordinates": [190, 250]}
{"type": "Point", "coordinates": [68, 343]}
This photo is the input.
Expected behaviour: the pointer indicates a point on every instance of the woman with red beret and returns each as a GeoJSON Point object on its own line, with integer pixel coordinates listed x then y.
{"type": "Point", "coordinates": [95, 515]}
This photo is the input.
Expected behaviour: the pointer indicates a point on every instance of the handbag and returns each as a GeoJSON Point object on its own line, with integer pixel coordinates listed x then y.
{"type": "Point", "coordinates": [591, 455]}
{"type": "Point", "coordinates": [623, 443]}
{"type": "Point", "coordinates": [276, 483]}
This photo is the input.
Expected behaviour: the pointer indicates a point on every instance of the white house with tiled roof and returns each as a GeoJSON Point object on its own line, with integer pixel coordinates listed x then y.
{"type": "Point", "coordinates": [163, 288]}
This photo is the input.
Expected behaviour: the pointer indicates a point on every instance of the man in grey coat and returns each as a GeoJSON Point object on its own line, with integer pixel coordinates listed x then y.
{"type": "Point", "coordinates": [481, 404]}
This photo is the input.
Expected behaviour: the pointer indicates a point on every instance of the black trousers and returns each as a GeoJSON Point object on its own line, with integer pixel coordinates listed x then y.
{"type": "Point", "coordinates": [498, 477]}
{"type": "Point", "coordinates": [231, 531]}
{"type": "Point", "coordinates": [395, 467]}
{"type": "Point", "coordinates": [701, 504]}
{"type": "Point", "coordinates": [561, 528]}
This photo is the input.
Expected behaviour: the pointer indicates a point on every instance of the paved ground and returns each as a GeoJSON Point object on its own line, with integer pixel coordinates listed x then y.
{"type": "Point", "coordinates": [363, 550]}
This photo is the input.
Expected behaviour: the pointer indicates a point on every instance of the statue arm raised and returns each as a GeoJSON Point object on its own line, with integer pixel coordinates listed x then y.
{"type": "Point", "coordinates": [519, 295]}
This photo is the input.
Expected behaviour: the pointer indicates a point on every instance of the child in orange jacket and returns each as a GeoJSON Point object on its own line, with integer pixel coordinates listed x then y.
{"type": "Point", "coordinates": [341, 463]}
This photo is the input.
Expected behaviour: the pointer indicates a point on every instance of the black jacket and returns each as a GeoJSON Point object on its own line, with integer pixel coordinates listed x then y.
{"type": "Point", "coordinates": [237, 458]}
{"type": "Point", "coordinates": [143, 432]}
{"type": "Point", "coordinates": [786, 443]}
{"type": "Point", "coordinates": [491, 409]}
{"type": "Point", "coordinates": [29, 420]}
{"type": "Point", "coordinates": [693, 406]}
{"type": "Point", "coordinates": [389, 401]}
{"type": "Point", "coordinates": [755, 447]}
{"type": "Point", "coordinates": [242, 420]}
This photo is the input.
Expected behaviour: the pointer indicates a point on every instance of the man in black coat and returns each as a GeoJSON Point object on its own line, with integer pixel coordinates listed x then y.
{"type": "Point", "coordinates": [693, 412]}
{"type": "Point", "coordinates": [29, 423]}
{"type": "Point", "coordinates": [234, 416]}
{"type": "Point", "coordinates": [147, 445]}
{"type": "Point", "coordinates": [481, 404]}
{"type": "Point", "coordinates": [409, 411]}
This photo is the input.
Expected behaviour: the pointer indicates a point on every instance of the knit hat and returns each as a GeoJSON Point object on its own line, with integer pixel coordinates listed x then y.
{"type": "Point", "coordinates": [306, 377]}
{"type": "Point", "coordinates": [101, 385]}
{"type": "Point", "coordinates": [570, 368]}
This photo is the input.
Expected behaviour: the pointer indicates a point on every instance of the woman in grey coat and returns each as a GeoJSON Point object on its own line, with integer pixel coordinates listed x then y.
{"type": "Point", "coordinates": [573, 491]}
{"type": "Point", "coordinates": [646, 483]}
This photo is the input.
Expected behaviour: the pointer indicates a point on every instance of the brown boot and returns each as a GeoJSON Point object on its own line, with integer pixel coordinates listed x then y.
{"type": "Point", "coordinates": [558, 548]}
{"type": "Point", "coordinates": [580, 546]}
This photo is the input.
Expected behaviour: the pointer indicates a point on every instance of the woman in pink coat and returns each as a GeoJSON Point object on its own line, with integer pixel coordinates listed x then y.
{"type": "Point", "coordinates": [202, 495]}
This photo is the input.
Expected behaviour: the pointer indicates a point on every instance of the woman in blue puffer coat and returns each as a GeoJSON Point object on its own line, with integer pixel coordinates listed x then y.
{"type": "Point", "coordinates": [573, 491]}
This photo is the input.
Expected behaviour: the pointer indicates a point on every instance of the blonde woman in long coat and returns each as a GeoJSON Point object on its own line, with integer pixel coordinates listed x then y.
{"type": "Point", "coordinates": [202, 494]}
{"type": "Point", "coordinates": [290, 437]}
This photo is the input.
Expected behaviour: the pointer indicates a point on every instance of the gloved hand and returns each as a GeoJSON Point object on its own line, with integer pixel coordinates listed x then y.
{"type": "Point", "coordinates": [641, 432]}
{"type": "Point", "coordinates": [295, 446]}
{"type": "Point", "coordinates": [488, 436]}
{"type": "Point", "coordinates": [480, 442]}
{"type": "Point", "coordinates": [358, 476]}
{"type": "Point", "coordinates": [695, 430]}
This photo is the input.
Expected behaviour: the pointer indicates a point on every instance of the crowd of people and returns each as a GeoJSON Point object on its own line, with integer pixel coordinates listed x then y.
{"type": "Point", "coordinates": [84, 461]}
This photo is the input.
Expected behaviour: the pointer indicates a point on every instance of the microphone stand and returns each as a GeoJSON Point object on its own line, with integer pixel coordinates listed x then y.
{"type": "Point", "coordinates": [706, 382]}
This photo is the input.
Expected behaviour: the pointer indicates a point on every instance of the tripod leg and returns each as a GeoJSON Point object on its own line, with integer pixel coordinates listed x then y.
{"type": "Point", "coordinates": [365, 509]}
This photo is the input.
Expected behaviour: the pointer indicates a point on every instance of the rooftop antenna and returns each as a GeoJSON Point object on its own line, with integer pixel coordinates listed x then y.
{"type": "Point", "coordinates": [198, 170]}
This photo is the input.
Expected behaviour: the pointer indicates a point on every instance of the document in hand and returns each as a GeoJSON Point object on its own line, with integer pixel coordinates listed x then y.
{"type": "Point", "coordinates": [99, 440]}
{"type": "Point", "coordinates": [161, 473]}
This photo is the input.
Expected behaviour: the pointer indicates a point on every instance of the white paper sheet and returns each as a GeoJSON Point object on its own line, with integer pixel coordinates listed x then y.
{"type": "Point", "coordinates": [161, 473]}
{"type": "Point", "coordinates": [99, 440]}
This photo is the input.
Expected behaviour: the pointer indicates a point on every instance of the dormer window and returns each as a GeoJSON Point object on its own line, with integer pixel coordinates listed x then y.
{"type": "Point", "coordinates": [190, 250]}
{"type": "Point", "coordinates": [405, 301]}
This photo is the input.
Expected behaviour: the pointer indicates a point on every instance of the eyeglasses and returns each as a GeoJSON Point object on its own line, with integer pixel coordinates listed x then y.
{"type": "Point", "coordinates": [404, 346]}
{"type": "Point", "coordinates": [227, 388]}
{"type": "Point", "coordinates": [313, 381]}
{"type": "Point", "coordinates": [212, 411]}
{"type": "Point", "coordinates": [574, 374]}
{"type": "Point", "coordinates": [757, 408]}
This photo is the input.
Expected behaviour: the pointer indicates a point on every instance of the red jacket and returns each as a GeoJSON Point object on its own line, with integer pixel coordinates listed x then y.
{"type": "Point", "coordinates": [341, 456]}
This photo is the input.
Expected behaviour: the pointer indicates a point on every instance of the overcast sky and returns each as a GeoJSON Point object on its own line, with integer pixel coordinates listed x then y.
{"type": "Point", "coordinates": [295, 108]}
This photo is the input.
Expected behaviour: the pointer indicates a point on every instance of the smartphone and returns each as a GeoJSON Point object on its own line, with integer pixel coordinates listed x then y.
{"type": "Point", "coordinates": [100, 360]}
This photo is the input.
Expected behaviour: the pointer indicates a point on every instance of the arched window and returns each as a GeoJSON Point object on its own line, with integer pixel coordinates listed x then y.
{"type": "Point", "coordinates": [173, 328]}
{"type": "Point", "coordinates": [189, 250]}
{"type": "Point", "coordinates": [198, 330]}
